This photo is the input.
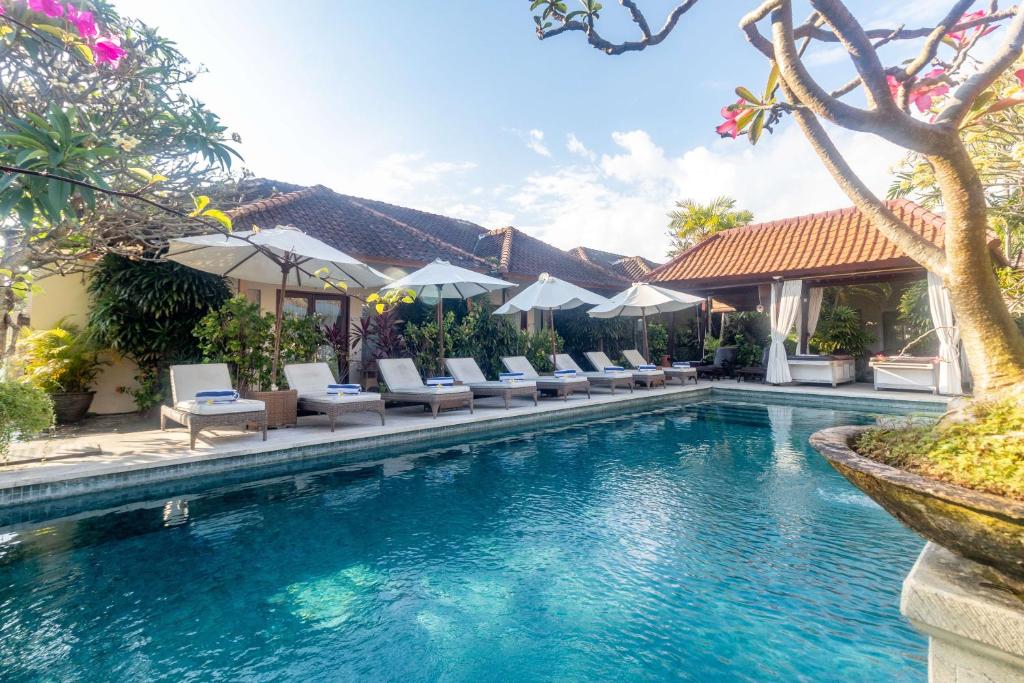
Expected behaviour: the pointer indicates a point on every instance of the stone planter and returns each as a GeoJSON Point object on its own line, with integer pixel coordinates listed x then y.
{"type": "Point", "coordinates": [71, 407]}
{"type": "Point", "coordinates": [982, 527]}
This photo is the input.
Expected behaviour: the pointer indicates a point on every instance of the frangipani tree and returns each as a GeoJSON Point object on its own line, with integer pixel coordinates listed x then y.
{"type": "Point", "coordinates": [922, 105]}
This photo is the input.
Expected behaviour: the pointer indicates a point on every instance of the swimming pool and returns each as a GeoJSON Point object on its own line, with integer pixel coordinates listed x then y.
{"type": "Point", "coordinates": [699, 541]}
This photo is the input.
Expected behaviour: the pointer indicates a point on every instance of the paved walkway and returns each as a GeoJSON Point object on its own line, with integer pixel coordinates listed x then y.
{"type": "Point", "coordinates": [117, 448]}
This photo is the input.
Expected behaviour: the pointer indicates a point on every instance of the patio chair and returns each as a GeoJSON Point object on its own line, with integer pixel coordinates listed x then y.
{"type": "Point", "coordinates": [561, 387]}
{"type": "Point", "coordinates": [648, 378]}
{"type": "Point", "coordinates": [405, 386]}
{"type": "Point", "coordinates": [310, 380]}
{"type": "Point", "coordinates": [612, 380]}
{"type": "Point", "coordinates": [189, 380]}
{"type": "Point", "coordinates": [635, 359]}
{"type": "Point", "coordinates": [722, 366]}
{"type": "Point", "coordinates": [468, 373]}
{"type": "Point", "coordinates": [754, 372]}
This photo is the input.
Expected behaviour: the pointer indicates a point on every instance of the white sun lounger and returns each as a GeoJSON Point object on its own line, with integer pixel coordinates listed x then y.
{"type": "Point", "coordinates": [468, 373]}
{"type": "Point", "coordinates": [562, 387]}
{"type": "Point", "coordinates": [310, 381]}
{"type": "Point", "coordinates": [187, 381]}
{"type": "Point", "coordinates": [649, 378]}
{"type": "Point", "coordinates": [612, 380]}
{"type": "Point", "coordinates": [636, 359]}
{"type": "Point", "coordinates": [405, 385]}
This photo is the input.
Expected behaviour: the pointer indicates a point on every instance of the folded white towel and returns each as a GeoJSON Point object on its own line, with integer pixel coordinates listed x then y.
{"type": "Point", "coordinates": [647, 366]}
{"type": "Point", "coordinates": [614, 368]}
{"type": "Point", "coordinates": [440, 381]}
{"type": "Point", "coordinates": [565, 373]}
{"type": "Point", "coordinates": [683, 364]}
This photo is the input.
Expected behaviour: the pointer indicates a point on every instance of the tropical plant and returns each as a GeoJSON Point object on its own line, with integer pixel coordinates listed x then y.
{"type": "Point", "coordinates": [693, 222]}
{"type": "Point", "coordinates": [239, 335]}
{"type": "Point", "coordinates": [927, 104]}
{"type": "Point", "coordinates": [24, 410]}
{"type": "Point", "coordinates": [336, 337]}
{"type": "Point", "coordinates": [581, 333]}
{"type": "Point", "coordinates": [146, 311]}
{"type": "Point", "coordinates": [657, 339]}
{"type": "Point", "coordinates": [536, 346]}
{"type": "Point", "coordinates": [485, 337]}
{"type": "Point", "coordinates": [301, 338]}
{"type": "Point", "coordinates": [95, 110]}
{"type": "Point", "coordinates": [840, 330]}
{"type": "Point", "coordinates": [63, 359]}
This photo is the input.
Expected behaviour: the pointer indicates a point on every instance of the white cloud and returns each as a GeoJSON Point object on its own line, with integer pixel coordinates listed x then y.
{"type": "Point", "coordinates": [576, 146]}
{"type": "Point", "coordinates": [400, 177]}
{"type": "Point", "coordinates": [621, 203]}
{"type": "Point", "coordinates": [535, 141]}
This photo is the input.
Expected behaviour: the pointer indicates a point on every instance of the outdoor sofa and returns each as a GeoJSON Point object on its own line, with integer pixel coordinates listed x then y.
{"type": "Point", "coordinates": [310, 380]}
{"type": "Point", "coordinates": [648, 378]}
{"type": "Point", "coordinates": [405, 386]}
{"type": "Point", "coordinates": [561, 387]}
{"type": "Point", "coordinates": [635, 359]}
{"type": "Point", "coordinates": [466, 372]}
{"type": "Point", "coordinates": [612, 380]}
{"type": "Point", "coordinates": [189, 380]}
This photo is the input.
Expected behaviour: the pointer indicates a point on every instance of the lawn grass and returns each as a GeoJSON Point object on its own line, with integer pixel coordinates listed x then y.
{"type": "Point", "coordinates": [985, 453]}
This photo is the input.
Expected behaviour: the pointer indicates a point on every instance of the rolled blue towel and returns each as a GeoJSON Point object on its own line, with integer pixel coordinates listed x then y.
{"type": "Point", "coordinates": [440, 381]}
{"type": "Point", "coordinates": [509, 376]}
{"type": "Point", "coordinates": [217, 396]}
{"type": "Point", "coordinates": [681, 364]}
{"type": "Point", "coordinates": [565, 373]}
{"type": "Point", "coordinates": [343, 388]}
{"type": "Point", "coordinates": [647, 366]}
{"type": "Point", "coordinates": [613, 368]}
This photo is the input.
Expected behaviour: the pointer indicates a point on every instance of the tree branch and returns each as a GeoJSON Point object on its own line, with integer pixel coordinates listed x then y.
{"type": "Point", "coordinates": [610, 48]}
{"type": "Point", "coordinates": [881, 217]}
{"type": "Point", "coordinates": [965, 95]}
{"type": "Point", "coordinates": [862, 52]}
{"type": "Point", "coordinates": [931, 45]}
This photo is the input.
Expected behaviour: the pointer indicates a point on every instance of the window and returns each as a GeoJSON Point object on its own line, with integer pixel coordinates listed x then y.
{"type": "Point", "coordinates": [330, 307]}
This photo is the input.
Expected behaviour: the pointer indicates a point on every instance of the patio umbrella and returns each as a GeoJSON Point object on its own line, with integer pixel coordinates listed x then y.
{"type": "Point", "coordinates": [642, 300]}
{"type": "Point", "coordinates": [443, 280]}
{"type": "Point", "coordinates": [280, 256]}
{"type": "Point", "coordinates": [549, 294]}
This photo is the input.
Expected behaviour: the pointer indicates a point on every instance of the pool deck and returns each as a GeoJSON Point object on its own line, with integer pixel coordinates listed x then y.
{"type": "Point", "coordinates": [115, 454]}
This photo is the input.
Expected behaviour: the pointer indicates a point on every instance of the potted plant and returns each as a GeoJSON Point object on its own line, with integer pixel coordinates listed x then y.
{"type": "Point", "coordinates": [64, 362]}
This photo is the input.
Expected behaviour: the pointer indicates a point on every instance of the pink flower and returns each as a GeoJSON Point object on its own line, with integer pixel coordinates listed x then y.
{"type": "Point", "coordinates": [959, 37]}
{"type": "Point", "coordinates": [109, 50]}
{"type": "Point", "coordinates": [50, 8]}
{"type": "Point", "coordinates": [731, 113]}
{"type": "Point", "coordinates": [83, 21]}
{"type": "Point", "coordinates": [1019, 73]}
{"type": "Point", "coordinates": [921, 96]}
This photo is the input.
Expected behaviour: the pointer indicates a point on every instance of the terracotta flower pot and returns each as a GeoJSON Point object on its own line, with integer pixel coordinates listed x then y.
{"type": "Point", "coordinates": [71, 407]}
{"type": "Point", "coordinates": [982, 527]}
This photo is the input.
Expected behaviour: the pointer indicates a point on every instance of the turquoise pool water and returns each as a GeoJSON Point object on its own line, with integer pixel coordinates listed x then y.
{"type": "Point", "coordinates": [697, 542]}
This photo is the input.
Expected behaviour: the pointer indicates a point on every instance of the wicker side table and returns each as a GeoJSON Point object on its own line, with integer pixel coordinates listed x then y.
{"type": "Point", "coordinates": [282, 406]}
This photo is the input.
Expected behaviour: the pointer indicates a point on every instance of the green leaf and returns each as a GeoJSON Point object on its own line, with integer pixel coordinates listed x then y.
{"type": "Point", "coordinates": [55, 31]}
{"type": "Point", "coordinates": [220, 217]}
{"type": "Point", "coordinates": [86, 52]}
{"type": "Point", "coordinates": [747, 95]}
{"type": "Point", "coordinates": [773, 82]}
{"type": "Point", "coordinates": [756, 127]}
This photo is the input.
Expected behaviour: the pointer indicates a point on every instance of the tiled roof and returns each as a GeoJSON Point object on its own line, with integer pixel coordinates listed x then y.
{"type": "Point", "coordinates": [520, 254]}
{"type": "Point", "coordinates": [634, 268]}
{"type": "Point", "coordinates": [833, 242]}
{"type": "Point", "coordinates": [358, 227]}
{"type": "Point", "coordinates": [460, 233]}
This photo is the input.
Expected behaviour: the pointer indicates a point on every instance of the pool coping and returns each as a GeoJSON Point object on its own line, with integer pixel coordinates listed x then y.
{"type": "Point", "coordinates": [43, 486]}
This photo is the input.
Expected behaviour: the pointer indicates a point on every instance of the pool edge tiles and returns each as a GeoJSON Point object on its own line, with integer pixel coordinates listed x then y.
{"type": "Point", "coordinates": [19, 488]}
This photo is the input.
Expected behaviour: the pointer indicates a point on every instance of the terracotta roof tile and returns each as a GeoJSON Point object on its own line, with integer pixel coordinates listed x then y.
{"type": "Point", "coordinates": [837, 241]}
{"type": "Point", "coordinates": [634, 268]}
{"type": "Point", "coordinates": [517, 253]}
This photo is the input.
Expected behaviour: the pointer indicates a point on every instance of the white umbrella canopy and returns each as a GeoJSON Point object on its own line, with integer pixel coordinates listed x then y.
{"type": "Point", "coordinates": [550, 294]}
{"type": "Point", "coordinates": [642, 300]}
{"type": "Point", "coordinates": [248, 256]}
{"type": "Point", "coordinates": [283, 256]}
{"type": "Point", "coordinates": [443, 280]}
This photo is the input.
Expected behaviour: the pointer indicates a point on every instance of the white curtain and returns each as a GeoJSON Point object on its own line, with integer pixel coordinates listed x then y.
{"type": "Point", "coordinates": [784, 312]}
{"type": "Point", "coordinates": [946, 330]}
{"type": "Point", "coordinates": [813, 313]}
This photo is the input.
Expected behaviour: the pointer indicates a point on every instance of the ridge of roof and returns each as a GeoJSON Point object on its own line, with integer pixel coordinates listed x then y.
{"type": "Point", "coordinates": [272, 202]}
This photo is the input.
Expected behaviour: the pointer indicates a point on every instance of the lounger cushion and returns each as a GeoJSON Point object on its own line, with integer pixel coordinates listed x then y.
{"type": "Point", "coordinates": [401, 375]}
{"type": "Point", "coordinates": [458, 389]}
{"type": "Point", "coordinates": [308, 378]}
{"type": "Point", "coordinates": [187, 380]}
{"type": "Point", "coordinates": [242, 405]}
{"type": "Point", "coordinates": [520, 364]}
{"type": "Point", "coordinates": [465, 370]}
{"type": "Point", "coordinates": [564, 361]}
{"type": "Point", "coordinates": [563, 380]}
{"type": "Point", "coordinates": [634, 357]}
{"type": "Point", "coordinates": [504, 385]}
{"type": "Point", "coordinates": [342, 398]}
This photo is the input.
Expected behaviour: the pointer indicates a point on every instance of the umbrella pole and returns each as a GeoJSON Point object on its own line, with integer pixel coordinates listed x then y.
{"type": "Point", "coordinates": [277, 329]}
{"type": "Point", "coordinates": [554, 338]}
{"type": "Point", "coordinates": [440, 333]}
{"type": "Point", "coordinates": [647, 348]}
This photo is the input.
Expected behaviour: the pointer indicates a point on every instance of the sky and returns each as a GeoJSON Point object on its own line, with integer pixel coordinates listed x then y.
{"type": "Point", "coordinates": [455, 107]}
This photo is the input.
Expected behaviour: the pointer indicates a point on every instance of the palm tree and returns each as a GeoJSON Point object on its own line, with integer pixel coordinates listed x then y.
{"type": "Point", "coordinates": [693, 222]}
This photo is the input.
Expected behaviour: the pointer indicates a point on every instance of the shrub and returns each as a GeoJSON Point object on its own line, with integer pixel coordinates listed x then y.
{"type": "Point", "coordinates": [486, 337]}
{"type": "Point", "coordinates": [581, 333]}
{"type": "Point", "coordinates": [657, 339]}
{"type": "Point", "coordinates": [840, 331]}
{"type": "Point", "coordinates": [59, 360]}
{"type": "Point", "coordinates": [24, 410]}
{"type": "Point", "coordinates": [985, 452]}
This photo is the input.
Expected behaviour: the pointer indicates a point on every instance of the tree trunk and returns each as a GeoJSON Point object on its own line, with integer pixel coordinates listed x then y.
{"type": "Point", "coordinates": [8, 325]}
{"type": "Point", "coordinates": [991, 340]}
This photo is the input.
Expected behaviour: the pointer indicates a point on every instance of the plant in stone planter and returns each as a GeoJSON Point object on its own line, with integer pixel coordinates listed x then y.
{"type": "Point", "coordinates": [64, 362]}
{"type": "Point", "coordinates": [24, 410]}
{"type": "Point", "coordinates": [239, 335]}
